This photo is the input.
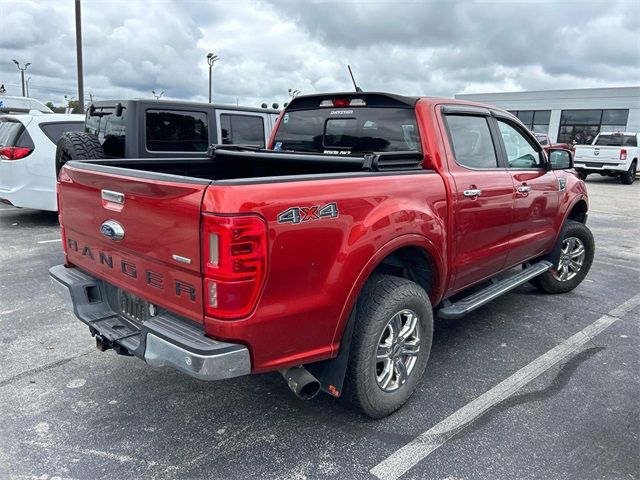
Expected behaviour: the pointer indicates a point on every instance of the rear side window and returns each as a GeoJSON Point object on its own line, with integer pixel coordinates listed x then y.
{"type": "Point", "coordinates": [176, 131]}
{"type": "Point", "coordinates": [14, 134]}
{"type": "Point", "coordinates": [471, 141]}
{"type": "Point", "coordinates": [54, 131]}
{"type": "Point", "coordinates": [109, 128]}
{"type": "Point", "coordinates": [617, 140]}
{"type": "Point", "coordinates": [242, 129]}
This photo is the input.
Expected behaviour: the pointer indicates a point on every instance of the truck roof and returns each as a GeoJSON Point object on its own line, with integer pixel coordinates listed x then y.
{"type": "Point", "coordinates": [384, 99]}
{"type": "Point", "coordinates": [374, 99]}
{"type": "Point", "coordinates": [618, 133]}
{"type": "Point", "coordinates": [181, 103]}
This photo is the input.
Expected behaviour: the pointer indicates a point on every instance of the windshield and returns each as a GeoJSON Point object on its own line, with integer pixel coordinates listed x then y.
{"type": "Point", "coordinates": [617, 140]}
{"type": "Point", "coordinates": [348, 131]}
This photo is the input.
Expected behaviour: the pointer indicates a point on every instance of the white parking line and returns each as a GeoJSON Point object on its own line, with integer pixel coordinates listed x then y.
{"type": "Point", "coordinates": [50, 241]}
{"type": "Point", "coordinates": [399, 462]}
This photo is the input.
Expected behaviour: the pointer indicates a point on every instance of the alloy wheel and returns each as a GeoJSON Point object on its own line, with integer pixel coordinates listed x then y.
{"type": "Point", "coordinates": [397, 352]}
{"type": "Point", "coordinates": [572, 256]}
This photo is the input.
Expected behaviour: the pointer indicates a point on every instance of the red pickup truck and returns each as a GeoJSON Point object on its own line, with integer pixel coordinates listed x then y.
{"type": "Point", "coordinates": [324, 255]}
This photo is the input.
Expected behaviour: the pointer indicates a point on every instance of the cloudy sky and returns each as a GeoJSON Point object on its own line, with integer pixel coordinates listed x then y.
{"type": "Point", "coordinates": [436, 48]}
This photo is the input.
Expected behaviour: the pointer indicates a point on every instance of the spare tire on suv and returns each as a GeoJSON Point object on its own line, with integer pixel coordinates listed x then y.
{"type": "Point", "coordinates": [77, 146]}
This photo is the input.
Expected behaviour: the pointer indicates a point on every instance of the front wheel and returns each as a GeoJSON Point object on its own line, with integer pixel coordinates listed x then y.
{"type": "Point", "coordinates": [582, 175]}
{"type": "Point", "coordinates": [628, 177]}
{"type": "Point", "coordinates": [390, 346]}
{"type": "Point", "coordinates": [576, 257]}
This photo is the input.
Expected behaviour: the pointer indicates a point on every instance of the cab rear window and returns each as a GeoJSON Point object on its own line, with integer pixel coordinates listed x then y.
{"type": "Point", "coordinates": [347, 131]}
{"type": "Point", "coordinates": [617, 141]}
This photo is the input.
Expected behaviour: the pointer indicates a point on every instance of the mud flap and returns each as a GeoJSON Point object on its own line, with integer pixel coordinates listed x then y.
{"type": "Point", "coordinates": [330, 373]}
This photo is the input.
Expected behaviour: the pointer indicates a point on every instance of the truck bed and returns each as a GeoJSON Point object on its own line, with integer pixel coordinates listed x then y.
{"type": "Point", "coordinates": [231, 163]}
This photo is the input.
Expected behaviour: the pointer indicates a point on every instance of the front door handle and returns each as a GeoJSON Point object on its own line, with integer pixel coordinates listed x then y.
{"type": "Point", "coordinates": [472, 193]}
{"type": "Point", "coordinates": [523, 189]}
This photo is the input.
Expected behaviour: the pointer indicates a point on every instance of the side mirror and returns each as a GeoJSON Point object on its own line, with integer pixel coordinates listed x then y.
{"type": "Point", "coordinates": [560, 159]}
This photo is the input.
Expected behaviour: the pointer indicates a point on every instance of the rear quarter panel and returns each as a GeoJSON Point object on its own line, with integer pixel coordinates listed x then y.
{"type": "Point", "coordinates": [317, 266]}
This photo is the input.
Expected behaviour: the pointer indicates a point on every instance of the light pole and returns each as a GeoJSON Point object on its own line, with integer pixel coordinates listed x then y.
{"type": "Point", "coordinates": [294, 93]}
{"type": "Point", "coordinates": [157, 95]}
{"type": "Point", "coordinates": [22, 69]}
{"type": "Point", "coordinates": [27, 82]}
{"type": "Point", "coordinates": [79, 56]}
{"type": "Point", "coordinates": [211, 59]}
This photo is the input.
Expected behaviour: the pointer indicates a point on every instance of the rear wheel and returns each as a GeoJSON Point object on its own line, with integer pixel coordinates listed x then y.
{"type": "Point", "coordinates": [628, 177]}
{"type": "Point", "coordinates": [576, 257]}
{"type": "Point", "coordinates": [77, 146]}
{"type": "Point", "coordinates": [390, 346]}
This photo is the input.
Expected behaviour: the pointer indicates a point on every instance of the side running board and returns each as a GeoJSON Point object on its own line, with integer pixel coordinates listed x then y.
{"type": "Point", "coordinates": [477, 299]}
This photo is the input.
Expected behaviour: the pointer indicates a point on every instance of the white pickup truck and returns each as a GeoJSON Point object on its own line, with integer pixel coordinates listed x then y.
{"type": "Point", "coordinates": [613, 154]}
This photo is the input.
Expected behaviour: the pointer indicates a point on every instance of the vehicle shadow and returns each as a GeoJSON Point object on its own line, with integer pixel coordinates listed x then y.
{"type": "Point", "coordinates": [247, 427]}
{"type": "Point", "coordinates": [604, 179]}
{"type": "Point", "coordinates": [26, 217]}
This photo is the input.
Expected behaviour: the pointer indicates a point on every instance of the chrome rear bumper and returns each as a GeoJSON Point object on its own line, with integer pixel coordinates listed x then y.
{"type": "Point", "coordinates": [164, 340]}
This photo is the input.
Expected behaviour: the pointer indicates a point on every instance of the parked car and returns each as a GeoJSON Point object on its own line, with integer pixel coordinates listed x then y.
{"type": "Point", "coordinates": [610, 154]}
{"type": "Point", "coordinates": [27, 157]}
{"type": "Point", "coordinates": [324, 256]}
{"type": "Point", "coordinates": [547, 144]}
{"type": "Point", "coordinates": [164, 129]}
{"type": "Point", "coordinates": [9, 104]}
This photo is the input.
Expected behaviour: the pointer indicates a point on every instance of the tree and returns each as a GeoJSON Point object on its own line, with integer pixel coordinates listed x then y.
{"type": "Point", "coordinates": [75, 105]}
{"type": "Point", "coordinates": [54, 108]}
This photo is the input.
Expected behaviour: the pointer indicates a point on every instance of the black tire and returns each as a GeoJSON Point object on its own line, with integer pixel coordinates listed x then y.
{"type": "Point", "coordinates": [549, 282]}
{"type": "Point", "coordinates": [628, 177]}
{"type": "Point", "coordinates": [582, 175]}
{"type": "Point", "coordinates": [383, 299]}
{"type": "Point", "coordinates": [77, 146]}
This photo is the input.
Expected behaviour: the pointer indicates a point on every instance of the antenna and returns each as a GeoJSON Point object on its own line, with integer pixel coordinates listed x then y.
{"type": "Point", "coordinates": [358, 89]}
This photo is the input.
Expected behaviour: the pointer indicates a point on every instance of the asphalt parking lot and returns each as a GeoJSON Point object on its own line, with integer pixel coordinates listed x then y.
{"type": "Point", "coordinates": [69, 411]}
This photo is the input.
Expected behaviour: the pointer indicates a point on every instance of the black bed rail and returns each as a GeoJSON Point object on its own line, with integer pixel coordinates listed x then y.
{"type": "Point", "coordinates": [371, 162]}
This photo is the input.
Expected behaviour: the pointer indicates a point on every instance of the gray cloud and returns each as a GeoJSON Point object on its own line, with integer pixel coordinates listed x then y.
{"type": "Point", "coordinates": [413, 47]}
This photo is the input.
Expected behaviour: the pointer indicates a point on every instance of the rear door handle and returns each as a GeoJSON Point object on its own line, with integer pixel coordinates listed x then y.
{"type": "Point", "coordinates": [523, 189]}
{"type": "Point", "coordinates": [472, 193]}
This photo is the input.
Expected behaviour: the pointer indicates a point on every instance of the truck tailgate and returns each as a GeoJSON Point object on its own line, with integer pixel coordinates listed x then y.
{"type": "Point", "coordinates": [597, 154]}
{"type": "Point", "coordinates": [158, 258]}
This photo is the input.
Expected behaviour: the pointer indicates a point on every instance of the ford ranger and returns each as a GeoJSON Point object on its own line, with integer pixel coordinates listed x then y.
{"type": "Point", "coordinates": [325, 255]}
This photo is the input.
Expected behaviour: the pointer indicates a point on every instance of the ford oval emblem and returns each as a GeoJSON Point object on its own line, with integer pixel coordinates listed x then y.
{"type": "Point", "coordinates": [112, 229]}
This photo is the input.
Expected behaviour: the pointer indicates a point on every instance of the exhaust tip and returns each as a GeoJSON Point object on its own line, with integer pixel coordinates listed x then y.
{"type": "Point", "coordinates": [304, 385]}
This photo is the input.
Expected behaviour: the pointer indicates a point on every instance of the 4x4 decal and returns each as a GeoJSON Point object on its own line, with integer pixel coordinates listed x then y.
{"type": "Point", "coordinates": [303, 214]}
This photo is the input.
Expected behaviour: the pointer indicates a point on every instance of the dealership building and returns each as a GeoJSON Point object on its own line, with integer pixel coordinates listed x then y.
{"type": "Point", "coordinates": [570, 115]}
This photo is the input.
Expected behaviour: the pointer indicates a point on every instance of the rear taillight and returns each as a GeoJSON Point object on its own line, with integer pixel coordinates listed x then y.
{"type": "Point", "coordinates": [234, 263]}
{"type": "Point", "coordinates": [14, 153]}
{"type": "Point", "coordinates": [623, 154]}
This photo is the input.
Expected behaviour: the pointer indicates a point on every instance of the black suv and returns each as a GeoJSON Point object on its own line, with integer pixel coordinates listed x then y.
{"type": "Point", "coordinates": [163, 129]}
